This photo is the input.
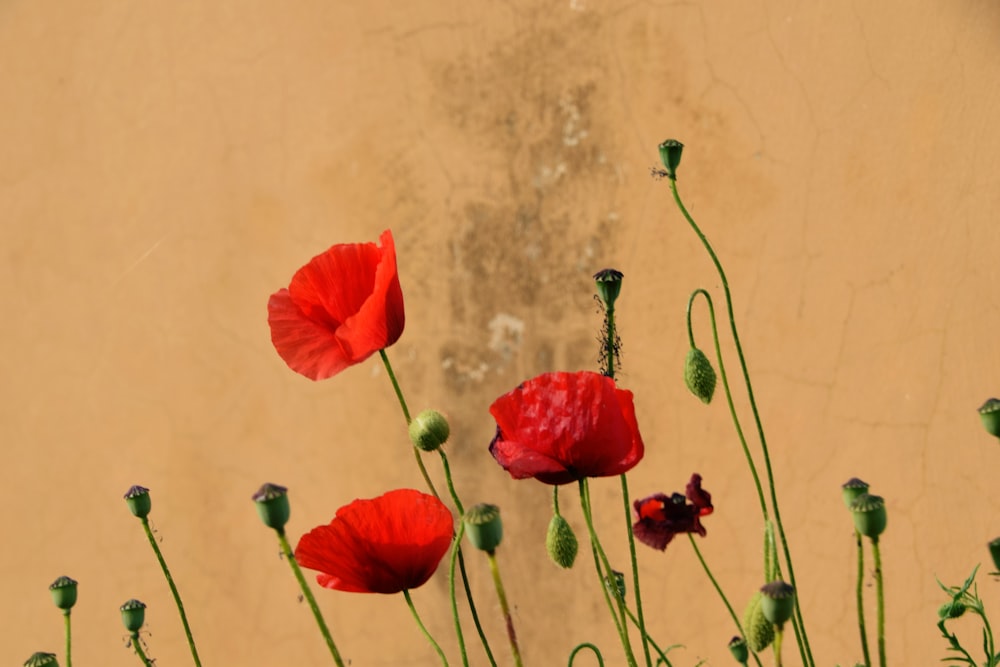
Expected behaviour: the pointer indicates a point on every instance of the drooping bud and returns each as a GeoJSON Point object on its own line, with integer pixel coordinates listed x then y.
{"type": "Point", "coordinates": [41, 659]}
{"type": "Point", "coordinates": [699, 376]}
{"type": "Point", "coordinates": [273, 507]}
{"type": "Point", "coordinates": [561, 542]}
{"type": "Point", "coordinates": [670, 155]}
{"type": "Point", "coordinates": [609, 286]}
{"type": "Point", "coordinates": [429, 430]}
{"type": "Point", "coordinates": [138, 501]}
{"type": "Point", "coordinates": [63, 592]}
{"type": "Point", "coordinates": [133, 615]}
{"type": "Point", "coordinates": [989, 412]}
{"type": "Point", "coordinates": [870, 516]}
{"type": "Point", "coordinates": [758, 630]}
{"type": "Point", "coordinates": [484, 527]}
{"type": "Point", "coordinates": [851, 489]}
{"type": "Point", "coordinates": [738, 647]}
{"type": "Point", "coordinates": [778, 602]}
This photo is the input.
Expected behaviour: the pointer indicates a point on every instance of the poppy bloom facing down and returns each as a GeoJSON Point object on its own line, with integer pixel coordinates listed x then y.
{"type": "Point", "coordinates": [339, 309]}
{"type": "Point", "coordinates": [562, 427]}
{"type": "Point", "coordinates": [383, 545]}
{"type": "Point", "coordinates": [661, 516]}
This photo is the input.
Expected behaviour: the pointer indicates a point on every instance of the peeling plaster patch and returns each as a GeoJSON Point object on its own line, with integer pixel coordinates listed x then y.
{"type": "Point", "coordinates": [572, 133]}
{"type": "Point", "coordinates": [506, 333]}
{"type": "Point", "coordinates": [476, 373]}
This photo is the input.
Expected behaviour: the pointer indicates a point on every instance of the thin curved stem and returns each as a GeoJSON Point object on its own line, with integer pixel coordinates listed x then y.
{"type": "Point", "coordinates": [173, 589]}
{"type": "Point", "coordinates": [663, 655]}
{"type": "Point", "coordinates": [455, 542]}
{"type": "Point", "coordinates": [718, 589]}
{"type": "Point", "coordinates": [451, 485]}
{"type": "Point", "coordinates": [859, 591]}
{"type": "Point", "coordinates": [799, 624]}
{"type": "Point", "coordinates": [137, 645]}
{"type": "Point", "coordinates": [608, 578]}
{"type": "Point", "coordinates": [406, 416]}
{"type": "Point", "coordinates": [504, 607]}
{"type": "Point", "coordinates": [286, 549]}
{"type": "Point", "coordinates": [580, 647]}
{"type": "Point", "coordinates": [880, 596]}
{"type": "Point", "coordinates": [472, 609]}
{"type": "Point", "coordinates": [423, 628]}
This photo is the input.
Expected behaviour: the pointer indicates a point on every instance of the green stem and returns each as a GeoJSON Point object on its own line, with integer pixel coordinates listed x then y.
{"type": "Point", "coordinates": [609, 341]}
{"type": "Point", "coordinates": [472, 608]}
{"type": "Point", "coordinates": [580, 647]}
{"type": "Point", "coordinates": [859, 590]}
{"type": "Point", "coordinates": [420, 624]}
{"type": "Point", "coordinates": [286, 549]}
{"type": "Point", "coordinates": [451, 485]}
{"type": "Point", "coordinates": [456, 541]}
{"type": "Point", "coordinates": [173, 589]}
{"type": "Point", "coordinates": [778, 632]}
{"type": "Point", "coordinates": [880, 595]}
{"type": "Point", "coordinates": [800, 627]}
{"type": "Point", "coordinates": [137, 645]}
{"type": "Point", "coordinates": [991, 654]}
{"type": "Point", "coordinates": [656, 647]}
{"type": "Point", "coordinates": [69, 640]}
{"type": "Point", "coordinates": [406, 416]}
{"type": "Point", "coordinates": [502, 597]}
{"type": "Point", "coordinates": [635, 569]}
{"type": "Point", "coordinates": [608, 579]}
{"type": "Point", "coordinates": [718, 589]}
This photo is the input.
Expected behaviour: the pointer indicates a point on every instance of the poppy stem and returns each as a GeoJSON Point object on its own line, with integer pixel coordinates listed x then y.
{"type": "Point", "coordinates": [420, 624]}
{"type": "Point", "coordinates": [286, 549]}
{"type": "Point", "coordinates": [472, 607]}
{"type": "Point", "coordinates": [779, 631]}
{"type": "Point", "coordinates": [455, 542]}
{"type": "Point", "coordinates": [137, 645]}
{"type": "Point", "coordinates": [635, 570]}
{"type": "Point", "coordinates": [608, 579]}
{"type": "Point", "coordinates": [718, 589]}
{"type": "Point", "coordinates": [859, 590]}
{"type": "Point", "coordinates": [800, 629]}
{"type": "Point", "coordinates": [69, 640]}
{"type": "Point", "coordinates": [173, 588]}
{"type": "Point", "coordinates": [406, 415]}
{"type": "Point", "coordinates": [451, 484]}
{"type": "Point", "coordinates": [662, 655]}
{"type": "Point", "coordinates": [504, 607]}
{"type": "Point", "coordinates": [597, 654]}
{"type": "Point", "coordinates": [880, 595]}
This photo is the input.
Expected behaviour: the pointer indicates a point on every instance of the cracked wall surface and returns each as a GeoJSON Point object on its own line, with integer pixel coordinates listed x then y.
{"type": "Point", "coordinates": [166, 167]}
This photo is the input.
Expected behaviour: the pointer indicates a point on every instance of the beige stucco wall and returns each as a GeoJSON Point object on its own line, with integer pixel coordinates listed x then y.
{"type": "Point", "coordinates": [166, 166]}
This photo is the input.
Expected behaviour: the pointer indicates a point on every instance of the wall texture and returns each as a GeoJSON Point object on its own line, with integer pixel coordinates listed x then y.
{"type": "Point", "coordinates": [166, 166]}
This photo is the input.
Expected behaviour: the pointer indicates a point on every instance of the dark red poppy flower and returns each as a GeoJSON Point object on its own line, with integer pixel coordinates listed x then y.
{"type": "Point", "coordinates": [562, 427]}
{"type": "Point", "coordinates": [383, 545]}
{"type": "Point", "coordinates": [339, 309]}
{"type": "Point", "coordinates": [660, 517]}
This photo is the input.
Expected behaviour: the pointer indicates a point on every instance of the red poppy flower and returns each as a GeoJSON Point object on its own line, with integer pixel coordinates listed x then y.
{"type": "Point", "coordinates": [562, 427]}
{"type": "Point", "coordinates": [339, 309]}
{"type": "Point", "coordinates": [383, 545]}
{"type": "Point", "coordinates": [661, 516]}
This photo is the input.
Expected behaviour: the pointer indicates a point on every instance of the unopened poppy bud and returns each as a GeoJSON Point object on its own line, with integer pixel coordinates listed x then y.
{"type": "Point", "coordinates": [995, 552]}
{"type": "Point", "coordinates": [870, 517]}
{"type": "Point", "coordinates": [63, 592]}
{"type": "Point", "coordinates": [484, 527]}
{"type": "Point", "coordinates": [950, 610]}
{"type": "Point", "coordinates": [429, 430]}
{"type": "Point", "coordinates": [738, 647]}
{"type": "Point", "coordinates": [41, 659]}
{"type": "Point", "coordinates": [616, 583]}
{"type": "Point", "coordinates": [851, 489]}
{"type": "Point", "coordinates": [561, 542]}
{"type": "Point", "coordinates": [699, 376]}
{"type": "Point", "coordinates": [133, 615]}
{"type": "Point", "coordinates": [670, 155]}
{"type": "Point", "coordinates": [989, 412]}
{"type": "Point", "coordinates": [758, 630]}
{"type": "Point", "coordinates": [609, 286]}
{"type": "Point", "coordinates": [272, 505]}
{"type": "Point", "coordinates": [138, 501]}
{"type": "Point", "coordinates": [778, 602]}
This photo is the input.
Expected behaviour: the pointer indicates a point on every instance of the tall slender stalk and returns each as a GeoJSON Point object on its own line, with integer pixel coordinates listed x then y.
{"type": "Point", "coordinates": [423, 628]}
{"type": "Point", "coordinates": [880, 595]}
{"type": "Point", "coordinates": [859, 591]}
{"type": "Point", "coordinates": [504, 607]}
{"type": "Point", "coordinates": [69, 639]}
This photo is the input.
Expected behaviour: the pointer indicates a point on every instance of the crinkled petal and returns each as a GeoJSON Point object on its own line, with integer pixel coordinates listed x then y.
{"type": "Point", "coordinates": [307, 347]}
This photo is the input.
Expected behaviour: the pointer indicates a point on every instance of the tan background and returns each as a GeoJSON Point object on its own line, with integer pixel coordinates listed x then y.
{"type": "Point", "coordinates": [166, 166]}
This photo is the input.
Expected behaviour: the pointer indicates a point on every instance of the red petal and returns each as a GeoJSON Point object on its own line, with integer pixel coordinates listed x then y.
{"type": "Point", "coordinates": [307, 347]}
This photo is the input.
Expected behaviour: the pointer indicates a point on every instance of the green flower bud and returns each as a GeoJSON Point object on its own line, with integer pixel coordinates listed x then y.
{"type": "Point", "coordinates": [133, 615]}
{"type": "Point", "coordinates": [484, 527]}
{"type": "Point", "coordinates": [272, 505]}
{"type": "Point", "coordinates": [63, 592]}
{"type": "Point", "coordinates": [609, 286]}
{"type": "Point", "coordinates": [851, 489]}
{"type": "Point", "coordinates": [778, 602]}
{"type": "Point", "coordinates": [699, 376]}
{"type": "Point", "coordinates": [137, 499]}
{"type": "Point", "coordinates": [952, 609]}
{"type": "Point", "coordinates": [41, 660]}
{"type": "Point", "coordinates": [870, 517]}
{"type": "Point", "coordinates": [759, 631]}
{"type": "Point", "coordinates": [561, 542]}
{"type": "Point", "coordinates": [429, 430]}
{"type": "Point", "coordinates": [616, 583]}
{"type": "Point", "coordinates": [738, 647]}
{"type": "Point", "coordinates": [670, 155]}
{"type": "Point", "coordinates": [994, 547]}
{"type": "Point", "coordinates": [989, 412]}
